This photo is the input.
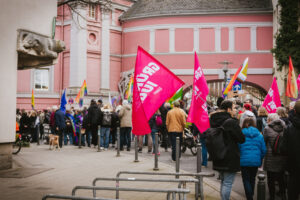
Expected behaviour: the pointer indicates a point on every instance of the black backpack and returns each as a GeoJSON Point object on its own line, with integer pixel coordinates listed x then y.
{"type": "Point", "coordinates": [106, 120]}
{"type": "Point", "coordinates": [216, 142]}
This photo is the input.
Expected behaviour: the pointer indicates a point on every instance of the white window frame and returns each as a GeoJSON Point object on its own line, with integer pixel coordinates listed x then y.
{"type": "Point", "coordinates": [47, 83]}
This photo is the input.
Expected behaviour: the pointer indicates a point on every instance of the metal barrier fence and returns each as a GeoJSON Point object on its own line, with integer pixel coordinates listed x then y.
{"type": "Point", "coordinates": [182, 182]}
{"type": "Point", "coordinates": [168, 191]}
{"type": "Point", "coordinates": [198, 176]}
{"type": "Point", "coordinates": [56, 196]}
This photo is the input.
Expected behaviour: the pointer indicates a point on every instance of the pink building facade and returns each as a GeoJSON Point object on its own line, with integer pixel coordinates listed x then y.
{"type": "Point", "coordinates": [104, 44]}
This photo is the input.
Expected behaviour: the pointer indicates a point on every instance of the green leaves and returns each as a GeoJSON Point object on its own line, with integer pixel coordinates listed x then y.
{"type": "Point", "coordinates": [288, 38]}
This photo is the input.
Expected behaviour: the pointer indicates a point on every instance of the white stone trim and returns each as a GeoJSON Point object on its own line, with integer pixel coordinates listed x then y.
{"type": "Point", "coordinates": [231, 39]}
{"type": "Point", "coordinates": [218, 39]}
{"type": "Point", "coordinates": [67, 22]}
{"type": "Point", "coordinates": [38, 95]}
{"type": "Point", "coordinates": [196, 39]}
{"type": "Point", "coordinates": [172, 40]}
{"type": "Point", "coordinates": [78, 50]}
{"type": "Point", "coordinates": [113, 17]}
{"type": "Point", "coordinates": [152, 41]}
{"type": "Point", "coordinates": [105, 51]}
{"type": "Point", "coordinates": [198, 25]}
{"type": "Point", "coordinates": [116, 28]}
{"type": "Point", "coordinates": [253, 38]}
{"type": "Point", "coordinates": [204, 53]}
{"type": "Point", "coordinates": [188, 72]}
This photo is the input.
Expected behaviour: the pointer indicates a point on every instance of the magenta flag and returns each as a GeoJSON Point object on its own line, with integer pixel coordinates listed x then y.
{"type": "Point", "coordinates": [272, 100]}
{"type": "Point", "coordinates": [153, 85]}
{"type": "Point", "coordinates": [198, 109]}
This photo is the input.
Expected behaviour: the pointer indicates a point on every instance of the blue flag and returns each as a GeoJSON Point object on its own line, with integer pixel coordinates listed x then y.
{"type": "Point", "coordinates": [63, 102]}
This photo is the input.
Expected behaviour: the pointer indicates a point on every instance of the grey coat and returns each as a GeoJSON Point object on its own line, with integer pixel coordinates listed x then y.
{"type": "Point", "coordinates": [274, 163]}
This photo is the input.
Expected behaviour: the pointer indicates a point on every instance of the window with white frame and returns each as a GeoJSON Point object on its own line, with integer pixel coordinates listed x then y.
{"type": "Point", "coordinates": [41, 79]}
{"type": "Point", "coordinates": [92, 11]}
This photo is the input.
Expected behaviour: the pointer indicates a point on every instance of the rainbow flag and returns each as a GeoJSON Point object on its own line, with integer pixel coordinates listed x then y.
{"type": "Point", "coordinates": [243, 73]}
{"type": "Point", "coordinates": [291, 88]}
{"type": "Point", "coordinates": [230, 84]}
{"type": "Point", "coordinates": [177, 96]}
{"type": "Point", "coordinates": [82, 92]}
{"type": "Point", "coordinates": [129, 90]}
{"type": "Point", "coordinates": [72, 123]}
{"type": "Point", "coordinates": [32, 99]}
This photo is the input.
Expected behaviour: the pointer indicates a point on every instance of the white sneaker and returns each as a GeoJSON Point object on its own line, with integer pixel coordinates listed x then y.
{"type": "Point", "coordinates": [105, 149]}
{"type": "Point", "coordinates": [101, 148]}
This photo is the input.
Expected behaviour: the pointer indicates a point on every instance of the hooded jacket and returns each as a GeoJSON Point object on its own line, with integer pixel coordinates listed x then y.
{"type": "Point", "coordinates": [274, 163]}
{"type": "Point", "coordinates": [291, 144]}
{"type": "Point", "coordinates": [254, 148]}
{"type": "Point", "coordinates": [125, 115]}
{"type": "Point", "coordinates": [246, 114]}
{"type": "Point", "coordinates": [233, 135]}
{"type": "Point", "coordinates": [94, 115]}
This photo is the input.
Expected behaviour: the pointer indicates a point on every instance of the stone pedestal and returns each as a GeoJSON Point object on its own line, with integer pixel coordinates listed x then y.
{"type": "Point", "coordinates": [5, 156]}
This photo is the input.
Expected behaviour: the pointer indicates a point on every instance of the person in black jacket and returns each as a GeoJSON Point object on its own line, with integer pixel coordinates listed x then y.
{"type": "Point", "coordinates": [228, 167]}
{"type": "Point", "coordinates": [164, 132]}
{"type": "Point", "coordinates": [93, 121]}
{"type": "Point", "coordinates": [24, 123]}
{"type": "Point", "coordinates": [60, 125]}
{"type": "Point", "coordinates": [86, 127]}
{"type": "Point", "coordinates": [290, 146]}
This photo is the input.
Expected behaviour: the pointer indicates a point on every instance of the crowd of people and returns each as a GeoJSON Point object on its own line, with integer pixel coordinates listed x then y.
{"type": "Point", "coordinates": [249, 134]}
{"type": "Point", "coordinates": [255, 139]}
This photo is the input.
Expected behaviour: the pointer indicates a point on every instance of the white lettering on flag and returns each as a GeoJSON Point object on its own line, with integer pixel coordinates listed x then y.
{"type": "Point", "coordinates": [144, 86]}
{"type": "Point", "coordinates": [198, 73]}
{"type": "Point", "coordinates": [272, 105]}
{"type": "Point", "coordinates": [271, 92]}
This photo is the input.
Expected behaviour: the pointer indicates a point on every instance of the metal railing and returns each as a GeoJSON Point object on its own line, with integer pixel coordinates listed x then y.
{"type": "Point", "coordinates": [181, 182]}
{"type": "Point", "coordinates": [56, 196]}
{"type": "Point", "coordinates": [169, 192]}
{"type": "Point", "coordinates": [198, 176]}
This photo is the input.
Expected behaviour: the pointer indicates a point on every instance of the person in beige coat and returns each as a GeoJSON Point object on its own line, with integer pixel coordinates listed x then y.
{"type": "Point", "coordinates": [175, 123]}
{"type": "Point", "coordinates": [125, 115]}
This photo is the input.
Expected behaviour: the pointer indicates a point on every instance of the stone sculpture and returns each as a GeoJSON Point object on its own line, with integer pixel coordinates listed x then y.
{"type": "Point", "coordinates": [36, 50]}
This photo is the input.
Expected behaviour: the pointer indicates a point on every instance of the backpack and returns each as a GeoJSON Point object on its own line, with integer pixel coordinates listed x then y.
{"type": "Point", "coordinates": [158, 120]}
{"type": "Point", "coordinates": [106, 120]}
{"type": "Point", "coordinates": [216, 142]}
{"type": "Point", "coordinates": [277, 144]}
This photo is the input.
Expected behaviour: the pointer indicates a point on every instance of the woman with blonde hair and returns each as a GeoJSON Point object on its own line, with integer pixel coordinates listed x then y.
{"type": "Point", "coordinates": [261, 120]}
{"type": "Point", "coordinates": [282, 112]}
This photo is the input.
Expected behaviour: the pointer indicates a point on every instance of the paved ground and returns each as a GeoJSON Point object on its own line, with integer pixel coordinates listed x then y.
{"type": "Point", "coordinates": [39, 171]}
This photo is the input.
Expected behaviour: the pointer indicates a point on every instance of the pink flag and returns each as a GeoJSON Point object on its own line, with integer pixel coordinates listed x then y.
{"type": "Point", "coordinates": [198, 110]}
{"type": "Point", "coordinates": [153, 85]}
{"type": "Point", "coordinates": [272, 100]}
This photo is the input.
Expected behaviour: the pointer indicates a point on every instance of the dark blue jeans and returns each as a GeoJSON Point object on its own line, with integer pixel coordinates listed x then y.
{"type": "Point", "coordinates": [204, 152]}
{"type": "Point", "coordinates": [248, 175]}
{"type": "Point", "coordinates": [174, 135]}
{"type": "Point", "coordinates": [125, 137]}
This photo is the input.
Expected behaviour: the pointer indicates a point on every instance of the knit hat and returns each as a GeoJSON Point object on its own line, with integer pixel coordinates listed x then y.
{"type": "Point", "coordinates": [297, 107]}
{"type": "Point", "coordinates": [247, 107]}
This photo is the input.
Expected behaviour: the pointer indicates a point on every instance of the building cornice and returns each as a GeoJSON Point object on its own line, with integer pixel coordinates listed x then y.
{"type": "Point", "coordinates": [187, 14]}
